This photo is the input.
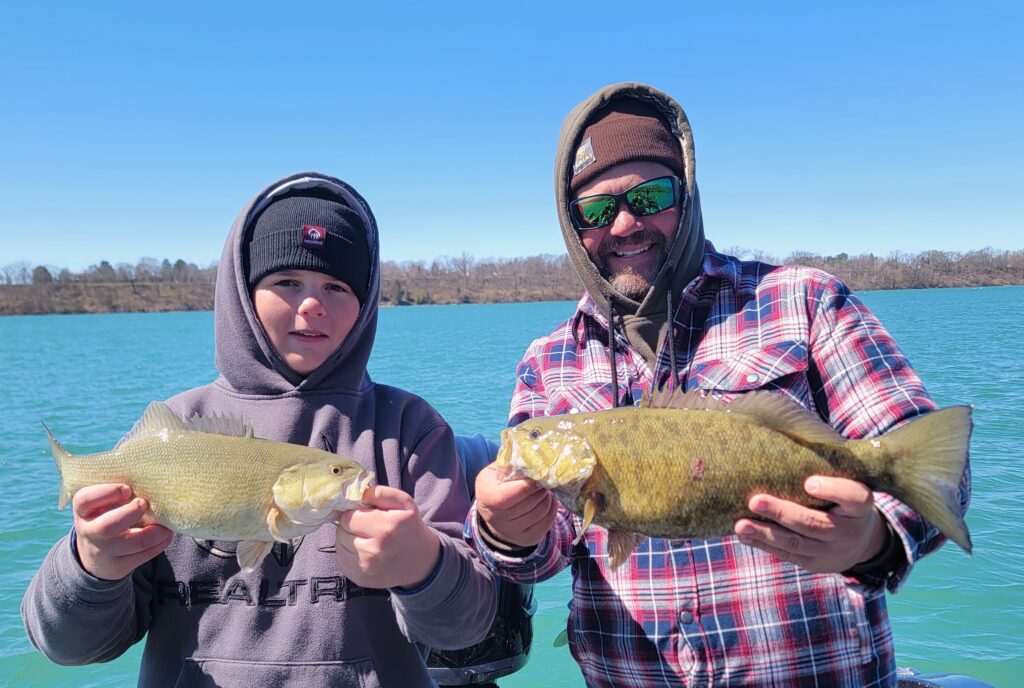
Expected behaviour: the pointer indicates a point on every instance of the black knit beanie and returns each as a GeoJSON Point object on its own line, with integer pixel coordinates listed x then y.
{"type": "Point", "coordinates": [624, 131]}
{"type": "Point", "coordinates": [309, 232]}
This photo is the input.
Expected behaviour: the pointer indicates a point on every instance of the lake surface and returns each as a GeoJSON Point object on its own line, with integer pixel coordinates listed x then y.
{"type": "Point", "coordinates": [90, 376]}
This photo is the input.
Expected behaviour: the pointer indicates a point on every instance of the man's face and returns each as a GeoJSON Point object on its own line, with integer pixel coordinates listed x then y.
{"type": "Point", "coordinates": [630, 251]}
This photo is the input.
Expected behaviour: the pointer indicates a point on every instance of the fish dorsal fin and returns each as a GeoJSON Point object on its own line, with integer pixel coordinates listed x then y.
{"type": "Point", "coordinates": [159, 418]}
{"type": "Point", "coordinates": [784, 416]}
{"type": "Point", "coordinates": [218, 424]}
{"type": "Point", "coordinates": [767, 409]}
{"type": "Point", "coordinates": [695, 399]}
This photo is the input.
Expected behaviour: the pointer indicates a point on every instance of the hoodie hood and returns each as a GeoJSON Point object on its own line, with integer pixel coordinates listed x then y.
{"type": "Point", "coordinates": [247, 361]}
{"type": "Point", "coordinates": [643, 323]}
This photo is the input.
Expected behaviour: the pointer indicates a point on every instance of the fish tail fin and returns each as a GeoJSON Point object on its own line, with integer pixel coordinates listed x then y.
{"type": "Point", "coordinates": [60, 455]}
{"type": "Point", "coordinates": [928, 456]}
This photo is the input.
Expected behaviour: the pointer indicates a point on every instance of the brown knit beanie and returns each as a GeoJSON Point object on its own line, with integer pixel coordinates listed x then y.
{"type": "Point", "coordinates": [309, 232]}
{"type": "Point", "coordinates": [625, 130]}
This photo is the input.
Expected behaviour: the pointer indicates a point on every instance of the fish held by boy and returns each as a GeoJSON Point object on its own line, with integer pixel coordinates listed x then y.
{"type": "Point", "coordinates": [211, 479]}
{"type": "Point", "coordinates": [686, 465]}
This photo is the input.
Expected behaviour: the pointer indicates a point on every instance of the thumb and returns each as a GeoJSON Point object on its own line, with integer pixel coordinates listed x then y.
{"type": "Point", "coordinates": [388, 499]}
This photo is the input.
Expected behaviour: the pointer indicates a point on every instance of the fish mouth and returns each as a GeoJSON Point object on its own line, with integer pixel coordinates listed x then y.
{"type": "Point", "coordinates": [507, 459]}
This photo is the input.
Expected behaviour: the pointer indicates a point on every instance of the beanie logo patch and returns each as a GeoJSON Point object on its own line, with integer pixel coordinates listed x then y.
{"type": "Point", "coordinates": [314, 237]}
{"type": "Point", "coordinates": [584, 157]}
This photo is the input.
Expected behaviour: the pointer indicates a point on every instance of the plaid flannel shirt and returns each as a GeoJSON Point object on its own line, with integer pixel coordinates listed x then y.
{"type": "Point", "coordinates": [715, 612]}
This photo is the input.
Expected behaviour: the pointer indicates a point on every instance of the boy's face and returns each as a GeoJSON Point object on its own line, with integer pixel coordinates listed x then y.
{"type": "Point", "coordinates": [305, 314]}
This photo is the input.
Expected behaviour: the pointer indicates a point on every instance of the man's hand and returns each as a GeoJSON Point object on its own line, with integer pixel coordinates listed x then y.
{"type": "Point", "coordinates": [821, 541]}
{"type": "Point", "coordinates": [519, 512]}
{"type": "Point", "coordinates": [387, 545]}
{"type": "Point", "coordinates": [111, 539]}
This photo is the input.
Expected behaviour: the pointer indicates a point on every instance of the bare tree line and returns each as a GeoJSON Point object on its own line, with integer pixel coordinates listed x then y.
{"type": "Point", "coordinates": [152, 285]}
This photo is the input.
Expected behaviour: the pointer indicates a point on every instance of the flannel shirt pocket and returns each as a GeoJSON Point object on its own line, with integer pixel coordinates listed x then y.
{"type": "Point", "coordinates": [780, 365]}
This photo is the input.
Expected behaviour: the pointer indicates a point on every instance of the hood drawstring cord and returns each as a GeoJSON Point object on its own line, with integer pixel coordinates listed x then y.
{"type": "Point", "coordinates": [611, 353]}
{"type": "Point", "coordinates": [671, 333]}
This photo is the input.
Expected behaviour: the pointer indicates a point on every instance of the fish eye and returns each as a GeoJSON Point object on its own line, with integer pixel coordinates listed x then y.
{"type": "Point", "coordinates": [535, 434]}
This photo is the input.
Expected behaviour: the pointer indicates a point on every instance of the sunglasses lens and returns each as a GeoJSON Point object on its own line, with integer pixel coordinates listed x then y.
{"type": "Point", "coordinates": [651, 197]}
{"type": "Point", "coordinates": [596, 211]}
{"type": "Point", "coordinates": [646, 198]}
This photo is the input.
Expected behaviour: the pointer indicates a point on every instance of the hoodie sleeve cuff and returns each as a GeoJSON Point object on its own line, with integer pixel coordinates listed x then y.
{"type": "Point", "coordinates": [426, 581]}
{"type": "Point", "coordinates": [81, 585]}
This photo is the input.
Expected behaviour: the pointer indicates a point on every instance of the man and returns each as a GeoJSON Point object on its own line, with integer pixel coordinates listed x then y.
{"type": "Point", "coordinates": [797, 600]}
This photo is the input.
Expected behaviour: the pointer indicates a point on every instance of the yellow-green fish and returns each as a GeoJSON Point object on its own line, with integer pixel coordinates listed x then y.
{"type": "Point", "coordinates": [686, 465]}
{"type": "Point", "coordinates": [211, 479]}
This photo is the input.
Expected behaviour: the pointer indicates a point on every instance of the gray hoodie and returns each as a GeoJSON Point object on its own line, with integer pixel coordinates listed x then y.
{"type": "Point", "coordinates": [294, 621]}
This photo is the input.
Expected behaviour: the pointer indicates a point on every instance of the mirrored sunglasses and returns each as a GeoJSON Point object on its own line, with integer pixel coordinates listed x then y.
{"type": "Point", "coordinates": [646, 198]}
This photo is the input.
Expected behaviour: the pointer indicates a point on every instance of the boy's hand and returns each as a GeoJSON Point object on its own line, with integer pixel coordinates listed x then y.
{"type": "Point", "coordinates": [110, 538]}
{"type": "Point", "coordinates": [519, 512]}
{"type": "Point", "coordinates": [387, 546]}
{"type": "Point", "coordinates": [821, 541]}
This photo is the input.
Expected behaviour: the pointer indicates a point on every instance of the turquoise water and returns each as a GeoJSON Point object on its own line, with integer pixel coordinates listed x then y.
{"type": "Point", "coordinates": [90, 376]}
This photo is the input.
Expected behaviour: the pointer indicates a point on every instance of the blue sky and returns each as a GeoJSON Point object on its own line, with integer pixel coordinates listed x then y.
{"type": "Point", "coordinates": [132, 130]}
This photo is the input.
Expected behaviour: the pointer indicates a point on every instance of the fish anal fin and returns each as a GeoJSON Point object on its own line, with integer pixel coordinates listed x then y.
{"type": "Point", "coordinates": [251, 552]}
{"type": "Point", "coordinates": [62, 497]}
{"type": "Point", "coordinates": [620, 544]}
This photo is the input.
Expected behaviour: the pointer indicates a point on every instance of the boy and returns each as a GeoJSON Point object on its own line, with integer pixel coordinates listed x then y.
{"type": "Point", "coordinates": [295, 317]}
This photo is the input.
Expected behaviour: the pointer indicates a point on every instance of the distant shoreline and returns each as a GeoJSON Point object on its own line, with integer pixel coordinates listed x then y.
{"type": "Point", "coordinates": [161, 287]}
{"type": "Point", "coordinates": [162, 298]}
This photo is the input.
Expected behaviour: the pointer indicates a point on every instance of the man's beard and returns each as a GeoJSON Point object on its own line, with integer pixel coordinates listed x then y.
{"type": "Point", "coordinates": [633, 282]}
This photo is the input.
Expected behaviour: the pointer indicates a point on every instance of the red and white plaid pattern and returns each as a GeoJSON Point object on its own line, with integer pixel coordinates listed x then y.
{"type": "Point", "coordinates": [715, 612]}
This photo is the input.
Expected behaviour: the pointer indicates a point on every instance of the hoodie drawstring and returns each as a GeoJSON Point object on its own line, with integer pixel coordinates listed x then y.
{"type": "Point", "coordinates": [611, 354]}
{"type": "Point", "coordinates": [671, 335]}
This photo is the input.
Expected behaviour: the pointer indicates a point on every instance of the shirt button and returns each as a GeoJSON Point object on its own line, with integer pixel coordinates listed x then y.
{"type": "Point", "coordinates": [686, 617]}
{"type": "Point", "coordinates": [753, 378]}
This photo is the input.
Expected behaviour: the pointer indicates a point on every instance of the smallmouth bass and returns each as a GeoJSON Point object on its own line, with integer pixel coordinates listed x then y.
{"type": "Point", "coordinates": [686, 465]}
{"type": "Point", "coordinates": [211, 479]}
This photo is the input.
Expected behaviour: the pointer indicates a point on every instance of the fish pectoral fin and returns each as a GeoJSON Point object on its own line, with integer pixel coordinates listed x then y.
{"type": "Point", "coordinates": [283, 528]}
{"type": "Point", "coordinates": [620, 545]}
{"type": "Point", "coordinates": [251, 552]}
{"type": "Point", "coordinates": [593, 504]}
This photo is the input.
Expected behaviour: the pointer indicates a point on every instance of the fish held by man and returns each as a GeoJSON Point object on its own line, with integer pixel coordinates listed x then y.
{"type": "Point", "coordinates": [686, 465]}
{"type": "Point", "coordinates": [211, 479]}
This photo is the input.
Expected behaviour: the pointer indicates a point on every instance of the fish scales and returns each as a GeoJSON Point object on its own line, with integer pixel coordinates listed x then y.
{"type": "Point", "coordinates": [686, 465]}
{"type": "Point", "coordinates": [185, 476]}
{"type": "Point", "coordinates": [210, 478]}
{"type": "Point", "coordinates": [714, 461]}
